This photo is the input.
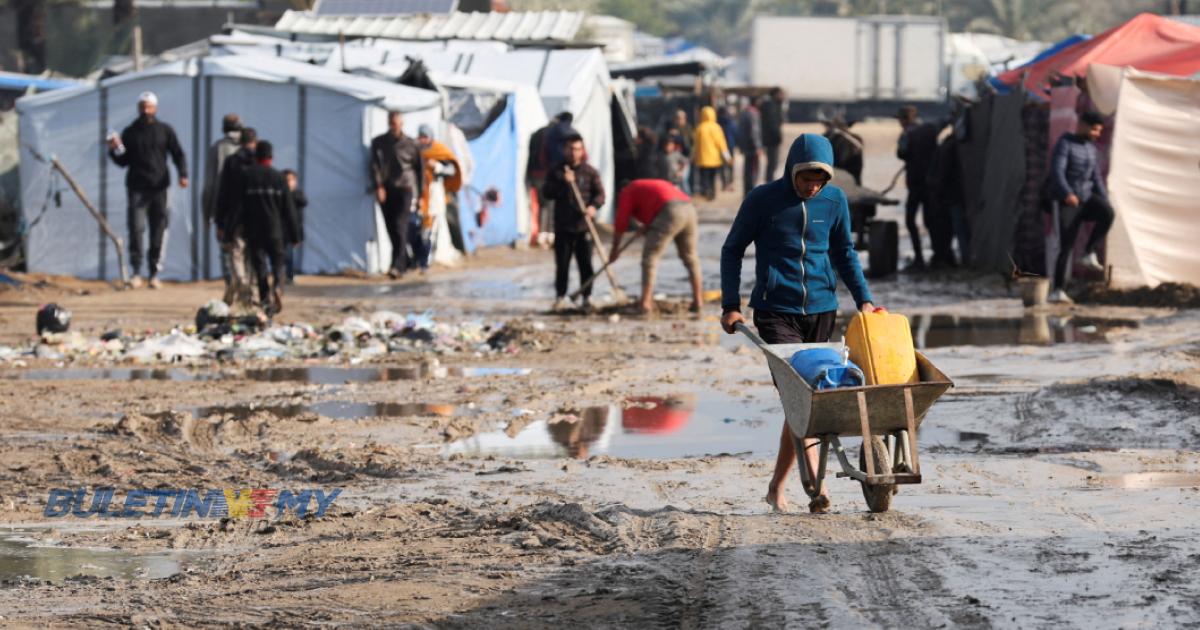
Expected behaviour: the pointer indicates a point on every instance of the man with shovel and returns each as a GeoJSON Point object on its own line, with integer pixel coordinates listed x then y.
{"type": "Point", "coordinates": [666, 214]}
{"type": "Point", "coordinates": [576, 190]}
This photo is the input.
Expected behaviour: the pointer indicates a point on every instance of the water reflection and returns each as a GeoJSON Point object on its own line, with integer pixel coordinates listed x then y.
{"type": "Point", "coordinates": [23, 556]}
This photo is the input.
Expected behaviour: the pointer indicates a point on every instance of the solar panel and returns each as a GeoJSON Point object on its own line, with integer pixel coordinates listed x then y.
{"type": "Point", "coordinates": [383, 7]}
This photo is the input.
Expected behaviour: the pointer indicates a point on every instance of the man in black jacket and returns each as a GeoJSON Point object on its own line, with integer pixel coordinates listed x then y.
{"type": "Point", "coordinates": [398, 175]}
{"type": "Point", "coordinates": [917, 147]}
{"type": "Point", "coordinates": [267, 215]}
{"type": "Point", "coordinates": [571, 236]}
{"type": "Point", "coordinates": [142, 148]}
{"type": "Point", "coordinates": [225, 218]}
{"type": "Point", "coordinates": [774, 110]}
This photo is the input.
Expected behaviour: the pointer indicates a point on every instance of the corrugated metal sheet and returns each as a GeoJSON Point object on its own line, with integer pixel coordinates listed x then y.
{"type": "Point", "coordinates": [527, 26]}
{"type": "Point", "coordinates": [383, 7]}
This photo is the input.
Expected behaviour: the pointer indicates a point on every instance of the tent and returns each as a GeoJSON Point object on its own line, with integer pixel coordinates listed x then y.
{"type": "Point", "coordinates": [1153, 182]}
{"type": "Point", "coordinates": [320, 122]}
{"type": "Point", "coordinates": [1147, 42]}
{"type": "Point", "coordinates": [574, 80]}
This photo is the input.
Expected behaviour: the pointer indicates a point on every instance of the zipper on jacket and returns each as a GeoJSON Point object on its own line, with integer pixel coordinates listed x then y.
{"type": "Point", "coordinates": [803, 253]}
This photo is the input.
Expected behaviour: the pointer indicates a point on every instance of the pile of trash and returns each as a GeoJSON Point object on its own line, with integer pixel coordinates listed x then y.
{"type": "Point", "coordinates": [218, 334]}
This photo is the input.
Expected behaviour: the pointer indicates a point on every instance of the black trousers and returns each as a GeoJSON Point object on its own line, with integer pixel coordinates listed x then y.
{"type": "Point", "coordinates": [147, 206]}
{"type": "Point", "coordinates": [269, 261]}
{"type": "Point", "coordinates": [1096, 209]}
{"type": "Point", "coordinates": [776, 327]}
{"type": "Point", "coordinates": [916, 199]}
{"type": "Point", "coordinates": [750, 168]}
{"type": "Point", "coordinates": [568, 245]}
{"type": "Point", "coordinates": [708, 181]}
{"type": "Point", "coordinates": [772, 151]}
{"type": "Point", "coordinates": [396, 210]}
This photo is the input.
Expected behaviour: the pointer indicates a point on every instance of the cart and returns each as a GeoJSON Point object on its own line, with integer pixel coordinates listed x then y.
{"type": "Point", "coordinates": [885, 416]}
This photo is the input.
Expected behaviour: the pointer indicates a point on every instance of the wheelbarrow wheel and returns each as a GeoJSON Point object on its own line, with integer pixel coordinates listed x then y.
{"type": "Point", "coordinates": [879, 497]}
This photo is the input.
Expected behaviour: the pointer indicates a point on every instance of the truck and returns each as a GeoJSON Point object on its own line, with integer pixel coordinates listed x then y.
{"type": "Point", "coordinates": [882, 59]}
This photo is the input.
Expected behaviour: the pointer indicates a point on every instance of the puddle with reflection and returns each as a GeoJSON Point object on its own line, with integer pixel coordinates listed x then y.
{"type": "Point", "coordinates": [23, 555]}
{"type": "Point", "coordinates": [338, 410]}
{"type": "Point", "coordinates": [316, 375]}
{"type": "Point", "coordinates": [938, 331]}
{"type": "Point", "coordinates": [653, 427]}
{"type": "Point", "coordinates": [1144, 480]}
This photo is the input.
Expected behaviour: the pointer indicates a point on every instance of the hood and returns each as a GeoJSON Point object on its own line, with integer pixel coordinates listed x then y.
{"type": "Point", "coordinates": [708, 114]}
{"type": "Point", "coordinates": [809, 151]}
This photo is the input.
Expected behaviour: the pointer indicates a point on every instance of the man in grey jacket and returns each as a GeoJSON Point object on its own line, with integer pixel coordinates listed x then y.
{"type": "Point", "coordinates": [1076, 185]}
{"type": "Point", "coordinates": [225, 146]}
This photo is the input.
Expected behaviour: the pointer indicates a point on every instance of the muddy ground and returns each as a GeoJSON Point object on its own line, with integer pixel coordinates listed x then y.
{"type": "Point", "coordinates": [1061, 474]}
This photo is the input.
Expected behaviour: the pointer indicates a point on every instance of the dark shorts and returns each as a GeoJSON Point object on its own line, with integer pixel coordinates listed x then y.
{"type": "Point", "coordinates": [790, 328]}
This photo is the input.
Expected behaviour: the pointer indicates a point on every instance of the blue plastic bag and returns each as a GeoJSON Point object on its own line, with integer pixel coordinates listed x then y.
{"type": "Point", "coordinates": [826, 368]}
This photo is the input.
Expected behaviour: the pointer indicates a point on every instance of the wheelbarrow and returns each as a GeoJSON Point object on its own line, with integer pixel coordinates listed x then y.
{"type": "Point", "coordinates": [885, 416]}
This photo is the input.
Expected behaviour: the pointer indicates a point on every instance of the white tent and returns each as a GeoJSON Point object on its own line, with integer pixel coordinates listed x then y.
{"type": "Point", "coordinates": [574, 80]}
{"type": "Point", "coordinates": [320, 122]}
{"type": "Point", "coordinates": [1153, 179]}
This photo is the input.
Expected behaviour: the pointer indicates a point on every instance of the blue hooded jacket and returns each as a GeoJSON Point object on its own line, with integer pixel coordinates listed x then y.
{"type": "Point", "coordinates": [798, 243]}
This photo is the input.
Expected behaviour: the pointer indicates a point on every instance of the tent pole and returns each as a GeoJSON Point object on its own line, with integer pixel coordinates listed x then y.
{"type": "Point", "coordinates": [301, 159]}
{"type": "Point", "coordinates": [205, 230]}
{"type": "Point", "coordinates": [104, 180]}
{"type": "Point", "coordinates": [197, 154]}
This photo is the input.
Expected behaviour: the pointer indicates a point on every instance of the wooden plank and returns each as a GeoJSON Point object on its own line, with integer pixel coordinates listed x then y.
{"type": "Point", "coordinates": [912, 431]}
{"type": "Point", "coordinates": [865, 422]}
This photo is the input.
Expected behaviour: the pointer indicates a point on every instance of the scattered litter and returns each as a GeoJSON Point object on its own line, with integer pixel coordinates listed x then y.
{"type": "Point", "coordinates": [53, 318]}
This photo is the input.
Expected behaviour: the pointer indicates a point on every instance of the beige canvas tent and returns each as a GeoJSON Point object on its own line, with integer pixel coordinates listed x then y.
{"type": "Point", "coordinates": [1154, 178]}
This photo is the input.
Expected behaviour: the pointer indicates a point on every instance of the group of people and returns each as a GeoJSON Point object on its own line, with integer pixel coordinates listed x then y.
{"type": "Point", "coordinates": [700, 158]}
{"type": "Point", "coordinates": [257, 210]}
{"type": "Point", "coordinates": [1073, 192]}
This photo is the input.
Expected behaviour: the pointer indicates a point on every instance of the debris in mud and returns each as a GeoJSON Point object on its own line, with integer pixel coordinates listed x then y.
{"type": "Point", "coordinates": [1165, 295]}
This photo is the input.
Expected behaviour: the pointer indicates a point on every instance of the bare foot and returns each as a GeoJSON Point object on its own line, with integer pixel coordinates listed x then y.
{"type": "Point", "coordinates": [775, 499]}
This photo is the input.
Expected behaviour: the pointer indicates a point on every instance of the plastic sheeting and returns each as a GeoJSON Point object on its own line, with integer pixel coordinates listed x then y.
{"type": "Point", "coordinates": [319, 121]}
{"type": "Point", "coordinates": [1154, 182]}
{"type": "Point", "coordinates": [494, 152]}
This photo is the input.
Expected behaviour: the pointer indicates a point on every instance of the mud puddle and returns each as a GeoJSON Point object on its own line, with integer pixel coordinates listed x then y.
{"type": "Point", "coordinates": [1144, 480]}
{"type": "Point", "coordinates": [315, 375]}
{"type": "Point", "coordinates": [664, 427]}
{"type": "Point", "coordinates": [24, 556]}
{"type": "Point", "coordinates": [338, 410]}
{"type": "Point", "coordinates": [939, 331]}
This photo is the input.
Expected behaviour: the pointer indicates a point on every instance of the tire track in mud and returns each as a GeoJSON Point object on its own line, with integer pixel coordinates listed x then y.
{"type": "Point", "coordinates": [694, 600]}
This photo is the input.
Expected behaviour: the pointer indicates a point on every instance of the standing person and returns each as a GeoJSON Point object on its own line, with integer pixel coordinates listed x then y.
{"type": "Point", "coordinates": [726, 117]}
{"type": "Point", "coordinates": [917, 147]}
{"type": "Point", "coordinates": [1076, 185]}
{"type": "Point", "coordinates": [684, 136]}
{"type": "Point", "coordinates": [229, 228]}
{"type": "Point", "coordinates": [800, 227]}
{"type": "Point", "coordinates": [397, 174]}
{"type": "Point", "coordinates": [218, 154]}
{"type": "Point", "coordinates": [651, 161]}
{"type": "Point", "coordinates": [441, 166]}
{"type": "Point", "coordinates": [666, 214]}
{"type": "Point", "coordinates": [571, 237]}
{"type": "Point", "coordinates": [269, 222]}
{"type": "Point", "coordinates": [143, 148]}
{"type": "Point", "coordinates": [535, 175]}
{"type": "Point", "coordinates": [750, 142]}
{"type": "Point", "coordinates": [676, 162]}
{"type": "Point", "coordinates": [847, 147]}
{"type": "Point", "coordinates": [556, 137]}
{"type": "Point", "coordinates": [774, 111]}
{"type": "Point", "coordinates": [710, 151]}
{"type": "Point", "coordinates": [300, 202]}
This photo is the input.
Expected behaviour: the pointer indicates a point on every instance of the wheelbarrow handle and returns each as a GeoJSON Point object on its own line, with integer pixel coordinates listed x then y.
{"type": "Point", "coordinates": [745, 330]}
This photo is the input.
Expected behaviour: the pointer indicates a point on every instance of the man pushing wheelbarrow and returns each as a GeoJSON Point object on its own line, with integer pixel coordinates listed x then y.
{"type": "Point", "coordinates": [800, 226]}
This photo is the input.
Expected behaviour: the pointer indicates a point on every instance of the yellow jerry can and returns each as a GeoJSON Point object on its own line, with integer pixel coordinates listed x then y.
{"type": "Point", "coordinates": [882, 345]}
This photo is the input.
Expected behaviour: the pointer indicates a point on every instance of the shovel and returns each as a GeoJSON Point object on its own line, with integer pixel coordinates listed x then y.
{"type": "Point", "coordinates": [618, 292]}
{"type": "Point", "coordinates": [583, 287]}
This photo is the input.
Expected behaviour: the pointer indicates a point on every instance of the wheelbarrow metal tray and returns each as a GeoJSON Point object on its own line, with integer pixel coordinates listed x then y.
{"type": "Point", "coordinates": [812, 413]}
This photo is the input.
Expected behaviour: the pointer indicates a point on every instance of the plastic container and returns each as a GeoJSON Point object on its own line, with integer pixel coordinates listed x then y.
{"type": "Point", "coordinates": [1034, 291]}
{"type": "Point", "coordinates": [826, 368]}
{"type": "Point", "coordinates": [881, 344]}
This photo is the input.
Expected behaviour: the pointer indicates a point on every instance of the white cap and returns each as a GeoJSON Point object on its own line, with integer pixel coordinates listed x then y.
{"type": "Point", "coordinates": [148, 97]}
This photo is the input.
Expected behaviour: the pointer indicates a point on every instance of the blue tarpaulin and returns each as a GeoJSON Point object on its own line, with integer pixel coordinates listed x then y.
{"type": "Point", "coordinates": [495, 154]}
{"type": "Point", "coordinates": [1003, 88]}
{"type": "Point", "coordinates": [15, 82]}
